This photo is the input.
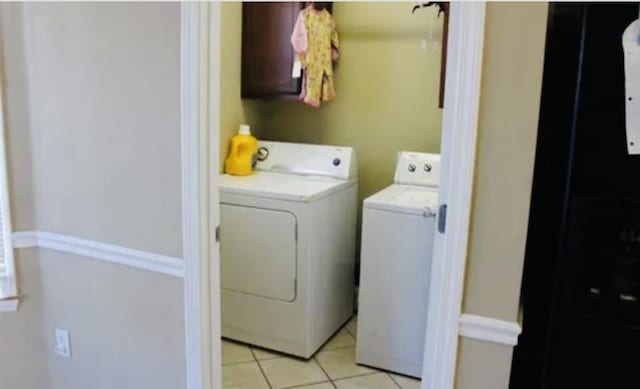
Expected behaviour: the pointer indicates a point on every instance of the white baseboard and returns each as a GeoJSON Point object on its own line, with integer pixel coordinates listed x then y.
{"type": "Point", "coordinates": [101, 251]}
{"type": "Point", "coordinates": [489, 329]}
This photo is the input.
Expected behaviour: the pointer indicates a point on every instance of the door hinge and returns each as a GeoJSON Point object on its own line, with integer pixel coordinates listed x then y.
{"type": "Point", "coordinates": [442, 218]}
{"type": "Point", "coordinates": [218, 234]}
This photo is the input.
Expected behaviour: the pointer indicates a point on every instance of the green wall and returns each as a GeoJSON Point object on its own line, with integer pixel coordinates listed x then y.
{"type": "Point", "coordinates": [387, 89]}
{"type": "Point", "coordinates": [233, 110]}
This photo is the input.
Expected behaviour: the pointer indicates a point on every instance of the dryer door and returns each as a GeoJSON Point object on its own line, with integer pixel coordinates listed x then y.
{"type": "Point", "coordinates": [259, 251]}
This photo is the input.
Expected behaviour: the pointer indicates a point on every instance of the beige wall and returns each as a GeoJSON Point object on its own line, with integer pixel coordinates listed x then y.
{"type": "Point", "coordinates": [127, 325]}
{"type": "Point", "coordinates": [16, 111]}
{"type": "Point", "coordinates": [233, 110]}
{"type": "Point", "coordinates": [105, 97]}
{"type": "Point", "coordinates": [483, 365]}
{"type": "Point", "coordinates": [97, 117]}
{"type": "Point", "coordinates": [387, 89]}
{"type": "Point", "coordinates": [510, 100]}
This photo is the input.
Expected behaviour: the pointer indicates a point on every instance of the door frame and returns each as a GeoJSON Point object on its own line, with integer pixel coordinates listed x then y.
{"type": "Point", "coordinates": [200, 104]}
{"type": "Point", "coordinates": [459, 137]}
{"type": "Point", "coordinates": [199, 128]}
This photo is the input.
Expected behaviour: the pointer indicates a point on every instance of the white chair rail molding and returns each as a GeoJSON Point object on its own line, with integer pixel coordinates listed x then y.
{"type": "Point", "coordinates": [489, 330]}
{"type": "Point", "coordinates": [101, 251]}
{"type": "Point", "coordinates": [471, 326]}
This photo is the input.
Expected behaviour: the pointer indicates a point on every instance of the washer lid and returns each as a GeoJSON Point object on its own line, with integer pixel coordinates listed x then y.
{"type": "Point", "coordinates": [408, 199]}
{"type": "Point", "coordinates": [282, 186]}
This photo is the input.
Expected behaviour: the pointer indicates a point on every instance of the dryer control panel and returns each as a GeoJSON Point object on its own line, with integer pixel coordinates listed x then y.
{"type": "Point", "coordinates": [421, 169]}
{"type": "Point", "coordinates": [306, 159]}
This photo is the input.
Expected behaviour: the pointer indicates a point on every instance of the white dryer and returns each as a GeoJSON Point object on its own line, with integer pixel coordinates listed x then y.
{"type": "Point", "coordinates": [397, 243]}
{"type": "Point", "coordinates": [288, 247]}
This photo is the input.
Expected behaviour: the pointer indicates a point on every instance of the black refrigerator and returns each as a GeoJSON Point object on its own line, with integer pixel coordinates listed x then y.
{"type": "Point", "coordinates": [581, 281]}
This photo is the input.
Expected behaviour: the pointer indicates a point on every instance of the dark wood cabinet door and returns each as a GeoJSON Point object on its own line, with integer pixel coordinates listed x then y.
{"type": "Point", "coordinates": [267, 55]}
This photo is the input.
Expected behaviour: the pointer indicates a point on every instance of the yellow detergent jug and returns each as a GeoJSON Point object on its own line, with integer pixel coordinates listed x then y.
{"type": "Point", "coordinates": [243, 150]}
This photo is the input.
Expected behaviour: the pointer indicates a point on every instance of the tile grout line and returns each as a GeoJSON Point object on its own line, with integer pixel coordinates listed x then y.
{"type": "Point", "coordinates": [343, 328]}
{"type": "Point", "coordinates": [302, 386]}
{"type": "Point", "coordinates": [324, 371]}
{"type": "Point", "coordinates": [394, 380]}
{"type": "Point", "coordinates": [238, 363]}
{"type": "Point", "coordinates": [351, 335]}
{"type": "Point", "coordinates": [346, 328]}
{"type": "Point", "coordinates": [359, 375]}
{"type": "Point", "coordinates": [260, 367]}
{"type": "Point", "coordinates": [272, 358]}
{"type": "Point", "coordinates": [335, 348]}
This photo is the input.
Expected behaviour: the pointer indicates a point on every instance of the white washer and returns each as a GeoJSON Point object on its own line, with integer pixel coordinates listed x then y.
{"type": "Point", "coordinates": [397, 243]}
{"type": "Point", "coordinates": [288, 247]}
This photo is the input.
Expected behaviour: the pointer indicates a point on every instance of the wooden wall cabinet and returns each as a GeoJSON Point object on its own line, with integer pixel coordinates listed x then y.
{"type": "Point", "coordinates": [267, 55]}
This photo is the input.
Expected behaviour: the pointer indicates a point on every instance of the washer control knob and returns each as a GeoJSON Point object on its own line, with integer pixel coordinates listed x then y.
{"type": "Point", "coordinates": [336, 162]}
{"type": "Point", "coordinates": [412, 167]}
{"type": "Point", "coordinates": [427, 167]}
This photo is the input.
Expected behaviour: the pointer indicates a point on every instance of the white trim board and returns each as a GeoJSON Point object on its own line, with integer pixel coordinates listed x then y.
{"type": "Point", "coordinates": [9, 286]}
{"type": "Point", "coordinates": [458, 153]}
{"type": "Point", "coordinates": [200, 70]}
{"type": "Point", "coordinates": [102, 251]}
{"type": "Point", "coordinates": [489, 330]}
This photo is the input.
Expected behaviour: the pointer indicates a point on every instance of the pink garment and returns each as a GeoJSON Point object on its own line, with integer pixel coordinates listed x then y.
{"type": "Point", "coordinates": [299, 37]}
{"type": "Point", "coordinates": [300, 44]}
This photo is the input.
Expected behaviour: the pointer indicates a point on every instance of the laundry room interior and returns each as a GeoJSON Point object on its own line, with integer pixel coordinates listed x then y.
{"type": "Point", "coordinates": [336, 184]}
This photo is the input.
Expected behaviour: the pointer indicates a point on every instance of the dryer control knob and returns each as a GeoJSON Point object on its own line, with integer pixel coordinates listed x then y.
{"type": "Point", "coordinates": [412, 167]}
{"type": "Point", "coordinates": [427, 167]}
{"type": "Point", "coordinates": [263, 153]}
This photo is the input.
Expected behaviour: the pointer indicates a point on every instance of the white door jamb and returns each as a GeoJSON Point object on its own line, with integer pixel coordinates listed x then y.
{"type": "Point", "coordinates": [458, 149]}
{"type": "Point", "coordinates": [199, 98]}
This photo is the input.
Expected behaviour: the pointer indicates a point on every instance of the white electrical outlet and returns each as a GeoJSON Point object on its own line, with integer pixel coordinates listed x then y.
{"type": "Point", "coordinates": [63, 343]}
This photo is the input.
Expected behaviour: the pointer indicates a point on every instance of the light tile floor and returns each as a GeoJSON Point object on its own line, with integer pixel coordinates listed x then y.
{"type": "Point", "coordinates": [248, 367]}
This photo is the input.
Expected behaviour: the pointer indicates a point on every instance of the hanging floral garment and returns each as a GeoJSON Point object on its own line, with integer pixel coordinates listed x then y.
{"type": "Point", "coordinates": [315, 42]}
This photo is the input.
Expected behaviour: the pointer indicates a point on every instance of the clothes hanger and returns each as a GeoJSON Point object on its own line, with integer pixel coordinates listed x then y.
{"type": "Point", "coordinates": [442, 6]}
{"type": "Point", "coordinates": [318, 5]}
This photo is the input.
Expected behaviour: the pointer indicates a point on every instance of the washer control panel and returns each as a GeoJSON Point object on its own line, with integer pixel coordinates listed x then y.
{"type": "Point", "coordinates": [421, 169]}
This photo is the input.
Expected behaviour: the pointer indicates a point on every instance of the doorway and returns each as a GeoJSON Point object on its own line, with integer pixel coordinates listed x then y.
{"type": "Point", "coordinates": [201, 108]}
